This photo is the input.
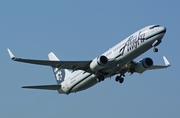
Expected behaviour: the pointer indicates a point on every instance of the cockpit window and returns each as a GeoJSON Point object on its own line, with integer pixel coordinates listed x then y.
{"type": "Point", "coordinates": [154, 26]}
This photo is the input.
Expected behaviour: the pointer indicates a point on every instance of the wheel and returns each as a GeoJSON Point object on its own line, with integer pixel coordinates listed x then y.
{"type": "Point", "coordinates": [155, 50]}
{"type": "Point", "coordinates": [121, 80]}
{"type": "Point", "coordinates": [101, 78]}
{"type": "Point", "coordinates": [117, 78]}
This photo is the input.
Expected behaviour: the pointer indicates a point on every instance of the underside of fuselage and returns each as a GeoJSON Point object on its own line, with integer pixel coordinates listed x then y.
{"type": "Point", "coordinates": [85, 84]}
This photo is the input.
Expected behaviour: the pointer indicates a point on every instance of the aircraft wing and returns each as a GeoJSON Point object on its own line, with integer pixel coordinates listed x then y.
{"type": "Point", "coordinates": [167, 64]}
{"type": "Point", "coordinates": [130, 67]}
{"type": "Point", "coordinates": [73, 65]}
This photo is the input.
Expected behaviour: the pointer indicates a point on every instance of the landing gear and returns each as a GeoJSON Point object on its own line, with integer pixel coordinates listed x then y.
{"type": "Point", "coordinates": [119, 79]}
{"type": "Point", "coordinates": [156, 43]}
{"type": "Point", "coordinates": [155, 49]}
{"type": "Point", "coordinates": [100, 78]}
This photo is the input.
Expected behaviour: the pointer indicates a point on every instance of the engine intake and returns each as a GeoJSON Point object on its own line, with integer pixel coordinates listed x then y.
{"type": "Point", "coordinates": [143, 64]}
{"type": "Point", "coordinates": [98, 63]}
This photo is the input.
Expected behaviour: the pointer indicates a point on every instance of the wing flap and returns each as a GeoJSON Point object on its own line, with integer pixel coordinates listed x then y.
{"type": "Point", "coordinates": [157, 67]}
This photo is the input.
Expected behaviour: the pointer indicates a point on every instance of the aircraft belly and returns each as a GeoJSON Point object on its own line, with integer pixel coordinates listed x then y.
{"type": "Point", "coordinates": [84, 83]}
{"type": "Point", "coordinates": [89, 82]}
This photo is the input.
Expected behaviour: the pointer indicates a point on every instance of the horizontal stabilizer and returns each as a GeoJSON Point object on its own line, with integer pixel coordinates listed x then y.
{"type": "Point", "coordinates": [45, 87]}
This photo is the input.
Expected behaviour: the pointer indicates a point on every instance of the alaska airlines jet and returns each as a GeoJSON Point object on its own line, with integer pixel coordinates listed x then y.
{"type": "Point", "coordinates": [74, 76]}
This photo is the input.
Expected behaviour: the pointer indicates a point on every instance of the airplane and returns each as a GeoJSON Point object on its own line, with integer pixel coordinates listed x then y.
{"type": "Point", "coordinates": [75, 76]}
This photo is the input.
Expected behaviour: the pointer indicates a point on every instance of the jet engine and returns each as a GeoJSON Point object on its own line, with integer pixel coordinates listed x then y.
{"type": "Point", "coordinates": [143, 64]}
{"type": "Point", "coordinates": [98, 63]}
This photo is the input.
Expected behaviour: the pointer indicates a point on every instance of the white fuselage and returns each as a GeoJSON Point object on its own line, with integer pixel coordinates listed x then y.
{"type": "Point", "coordinates": [119, 55]}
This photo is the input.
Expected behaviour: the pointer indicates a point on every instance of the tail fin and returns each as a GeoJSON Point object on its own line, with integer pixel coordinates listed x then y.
{"type": "Point", "coordinates": [60, 74]}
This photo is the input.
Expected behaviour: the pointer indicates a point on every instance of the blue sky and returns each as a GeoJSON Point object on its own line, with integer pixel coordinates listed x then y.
{"type": "Point", "coordinates": [82, 30]}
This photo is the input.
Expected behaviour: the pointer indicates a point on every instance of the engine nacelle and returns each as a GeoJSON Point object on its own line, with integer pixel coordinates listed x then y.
{"type": "Point", "coordinates": [143, 64]}
{"type": "Point", "coordinates": [98, 63]}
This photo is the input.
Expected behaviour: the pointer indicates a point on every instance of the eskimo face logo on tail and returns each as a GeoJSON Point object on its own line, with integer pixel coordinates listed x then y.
{"type": "Point", "coordinates": [59, 76]}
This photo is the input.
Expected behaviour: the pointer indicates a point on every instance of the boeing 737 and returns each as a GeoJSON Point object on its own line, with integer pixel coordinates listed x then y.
{"type": "Point", "coordinates": [75, 76]}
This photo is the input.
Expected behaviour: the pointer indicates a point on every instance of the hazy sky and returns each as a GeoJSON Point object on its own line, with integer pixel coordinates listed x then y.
{"type": "Point", "coordinates": [82, 30]}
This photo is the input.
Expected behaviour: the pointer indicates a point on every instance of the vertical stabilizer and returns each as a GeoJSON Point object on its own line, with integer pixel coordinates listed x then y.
{"type": "Point", "coordinates": [60, 74]}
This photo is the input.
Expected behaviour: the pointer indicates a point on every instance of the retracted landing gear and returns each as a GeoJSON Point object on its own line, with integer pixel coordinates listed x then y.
{"type": "Point", "coordinates": [119, 79]}
{"type": "Point", "coordinates": [100, 78]}
{"type": "Point", "coordinates": [155, 49]}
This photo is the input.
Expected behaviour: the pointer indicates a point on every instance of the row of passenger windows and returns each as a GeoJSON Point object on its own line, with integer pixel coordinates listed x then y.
{"type": "Point", "coordinates": [118, 47]}
{"type": "Point", "coordinates": [114, 50]}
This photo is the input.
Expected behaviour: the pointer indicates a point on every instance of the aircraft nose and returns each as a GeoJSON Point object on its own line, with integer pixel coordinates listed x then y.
{"type": "Point", "coordinates": [164, 29]}
{"type": "Point", "coordinates": [161, 29]}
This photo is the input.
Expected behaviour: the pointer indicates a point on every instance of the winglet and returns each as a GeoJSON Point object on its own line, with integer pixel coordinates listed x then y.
{"type": "Point", "coordinates": [166, 61]}
{"type": "Point", "coordinates": [52, 57]}
{"type": "Point", "coordinates": [10, 54]}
